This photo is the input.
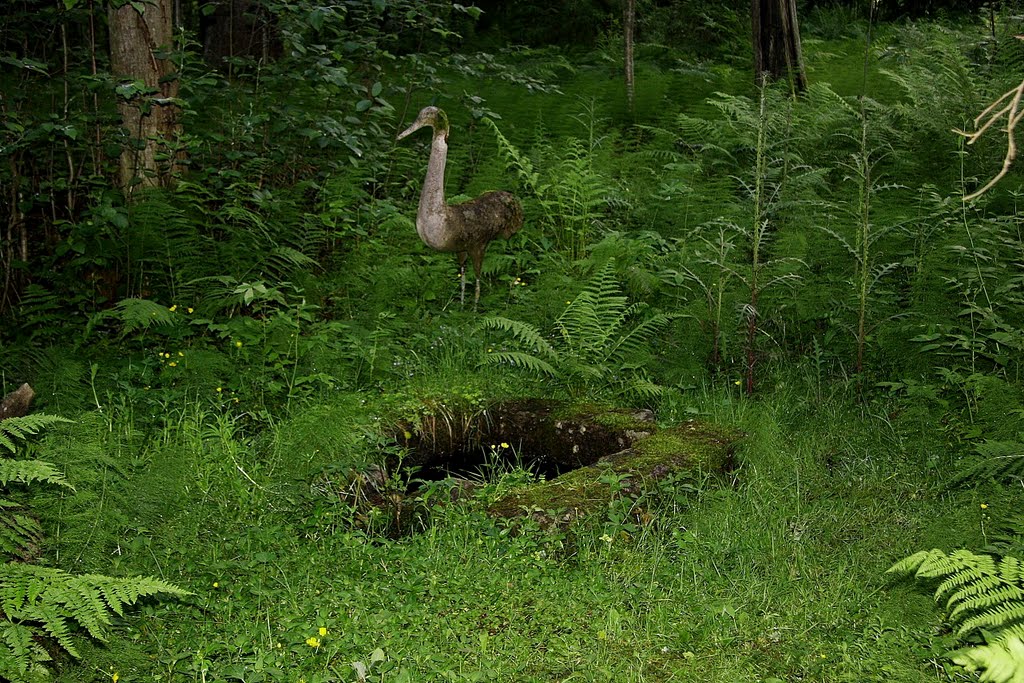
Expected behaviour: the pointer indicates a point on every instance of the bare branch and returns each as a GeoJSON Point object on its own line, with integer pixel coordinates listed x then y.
{"type": "Point", "coordinates": [990, 116]}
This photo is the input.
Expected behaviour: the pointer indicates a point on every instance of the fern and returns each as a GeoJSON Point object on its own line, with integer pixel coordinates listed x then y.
{"type": "Point", "coordinates": [37, 603]}
{"type": "Point", "coordinates": [983, 595]}
{"type": "Point", "coordinates": [20, 534]}
{"type": "Point", "coordinates": [520, 359]}
{"type": "Point", "coordinates": [28, 471]}
{"type": "Point", "coordinates": [1007, 537]}
{"type": "Point", "coordinates": [20, 428]}
{"type": "Point", "coordinates": [53, 602]}
{"type": "Point", "coordinates": [515, 161]}
{"type": "Point", "coordinates": [524, 332]}
{"type": "Point", "coordinates": [594, 343]}
{"type": "Point", "coordinates": [1000, 460]}
{"type": "Point", "coordinates": [1002, 660]}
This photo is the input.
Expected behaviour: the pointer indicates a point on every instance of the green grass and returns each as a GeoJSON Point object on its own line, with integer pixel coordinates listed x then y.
{"type": "Point", "coordinates": [774, 574]}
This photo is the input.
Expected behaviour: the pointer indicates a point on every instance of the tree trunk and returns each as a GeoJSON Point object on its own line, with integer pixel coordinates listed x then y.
{"type": "Point", "coordinates": [14, 241]}
{"type": "Point", "coordinates": [777, 53]}
{"type": "Point", "coordinates": [237, 28]}
{"type": "Point", "coordinates": [139, 45]}
{"type": "Point", "coordinates": [628, 24]}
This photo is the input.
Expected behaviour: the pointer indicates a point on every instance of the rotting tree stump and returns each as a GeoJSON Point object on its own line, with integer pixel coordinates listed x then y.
{"type": "Point", "coordinates": [691, 448]}
{"type": "Point", "coordinates": [579, 450]}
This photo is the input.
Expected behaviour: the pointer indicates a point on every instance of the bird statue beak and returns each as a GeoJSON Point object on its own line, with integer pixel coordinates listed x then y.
{"type": "Point", "coordinates": [416, 125]}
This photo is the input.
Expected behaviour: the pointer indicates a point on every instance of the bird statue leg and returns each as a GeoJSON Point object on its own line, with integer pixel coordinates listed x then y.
{"type": "Point", "coordinates": [478, 261]}
{"type": "Point", "coordinates": [462, 278]}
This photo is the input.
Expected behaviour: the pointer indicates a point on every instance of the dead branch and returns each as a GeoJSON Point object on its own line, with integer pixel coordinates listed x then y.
{"type": "Point", "coordinates": [993, 113]}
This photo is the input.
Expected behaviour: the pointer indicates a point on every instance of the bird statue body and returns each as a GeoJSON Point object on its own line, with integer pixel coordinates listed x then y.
{"type": "Point", "coordinates": [467, 228]}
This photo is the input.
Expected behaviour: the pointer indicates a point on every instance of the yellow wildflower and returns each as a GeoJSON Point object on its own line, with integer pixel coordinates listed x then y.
{"type": "Point", "coordinates": [323, 631]}
{"type": "Point", "coordinates": [238, 344]}
{"type": "Point", "coordinates": [220, 389]}
{"type": "Point", "coordinates": [116, 677]}
{"type": "Point", "coordinates": [173, 364]}
{"type": "Point", "coordinates": [189, 309]}
{"type": "Point", "coordinates": [504, 445]}
{"type": "Point", "coordinates": [313, 641]}
{"type": "Point", "coordinates": [984, 506]}
{"type": "Point", "coordinates": [173, 308]}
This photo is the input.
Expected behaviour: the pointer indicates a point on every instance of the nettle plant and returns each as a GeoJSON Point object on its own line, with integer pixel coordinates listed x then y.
{"type": "Point", "coordinates": [45, 607]}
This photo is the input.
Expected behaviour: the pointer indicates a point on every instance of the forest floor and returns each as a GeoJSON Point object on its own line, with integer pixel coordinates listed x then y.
{"type": "Point", "coordinates": [773, 572]}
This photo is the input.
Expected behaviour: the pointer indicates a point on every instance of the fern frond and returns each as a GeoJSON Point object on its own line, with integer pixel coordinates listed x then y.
{"type": "Point", "coordinates": [522, 331]}
{"type": "Point", "coordinates": [21, 655]}
{"type": "Point", "coordinates": [515, 161]}
{"type": "Point", "coordinates": [980, 592]}
{"type": "Point", "coordinates": [1000, 460]}
{"type": "Point", "coordinates": [18, 532]}
{"type": "Point", "coordinates": [52, 602]}
{"type": "Point", "coordinates": [19, 428]}
{"type": "Point", "coordinates": [523, 360]}
{"type": "Point", "coordinates": [632, 342]}
{"type": "Point", "coordinates": [28, 471]}
{"type": "Point", "coordinates": [139, 314]}
{"type": "Point", "coordinates": [1004, 614]}
{"type": "Point", "coordinates": [1001, 661]}
{"type": "Point", "coordinates": [913, 562]}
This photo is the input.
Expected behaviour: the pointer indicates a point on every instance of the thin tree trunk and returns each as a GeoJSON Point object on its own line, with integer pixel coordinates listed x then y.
{"type": "Point", "coordinates": [139, 42]}
{"type": "Point", "coordinates": [628, 25]}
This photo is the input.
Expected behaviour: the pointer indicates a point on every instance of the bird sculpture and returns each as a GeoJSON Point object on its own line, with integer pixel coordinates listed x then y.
{"type": "Point", "coordinates": [465, 228]}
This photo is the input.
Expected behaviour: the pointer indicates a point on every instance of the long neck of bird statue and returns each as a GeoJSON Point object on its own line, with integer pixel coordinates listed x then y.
{"type": "Point", "coordinates": [432, 216]}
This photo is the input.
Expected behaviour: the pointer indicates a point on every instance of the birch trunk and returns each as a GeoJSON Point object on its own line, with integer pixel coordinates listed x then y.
{"type": "Point", "coordinates": [140, 43]}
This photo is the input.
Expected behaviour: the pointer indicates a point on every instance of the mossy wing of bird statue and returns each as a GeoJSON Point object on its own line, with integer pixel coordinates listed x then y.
{"type": "Point", "coordinates": [465, 228]}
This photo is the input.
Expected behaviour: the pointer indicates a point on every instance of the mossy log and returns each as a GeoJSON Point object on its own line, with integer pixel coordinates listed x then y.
{"type": "Point", "coordinates": [577, 447]}
{"type": "Point", "coordinates": [688, 448]}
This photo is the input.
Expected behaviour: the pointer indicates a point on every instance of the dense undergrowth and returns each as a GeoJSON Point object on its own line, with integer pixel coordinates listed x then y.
{"type": "Point", "coordinates": [801, 269]}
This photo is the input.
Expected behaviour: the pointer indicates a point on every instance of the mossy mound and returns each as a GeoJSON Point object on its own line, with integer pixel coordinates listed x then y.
{"type": "Point", "coordinates": [692, 447]}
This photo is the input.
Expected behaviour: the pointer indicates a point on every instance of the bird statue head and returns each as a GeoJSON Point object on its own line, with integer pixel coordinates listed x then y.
{"type": "Point", "coordinates": [428, 116]}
